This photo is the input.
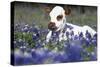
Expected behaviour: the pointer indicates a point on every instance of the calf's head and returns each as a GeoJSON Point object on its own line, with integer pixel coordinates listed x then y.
{"type": "Point", "coordinates": [57, 18]}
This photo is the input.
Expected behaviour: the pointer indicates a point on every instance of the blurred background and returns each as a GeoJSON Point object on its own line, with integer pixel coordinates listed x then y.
{"type": "Point", "coordinates": [38, 13]}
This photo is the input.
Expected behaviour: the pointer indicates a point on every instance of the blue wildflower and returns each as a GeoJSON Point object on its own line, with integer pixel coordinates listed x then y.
{"type": "Point", "coordinates": [88, 35]}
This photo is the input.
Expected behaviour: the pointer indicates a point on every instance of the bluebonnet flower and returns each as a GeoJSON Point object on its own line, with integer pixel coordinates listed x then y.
{"type": "Point", "coordinates": [38, 45]}
{"type": "Point", "coordinates": [44, 31]}
{"type": "Point", "coordinates": [58, 58]}
{"type": "Point", "coordinates": [94, 54]}
{"type": "Point", "coordinates": [85, 55]}
{"type": "Point", "coordinates": [87, 41]}
{"type": "Point", "coordinates": [34, 56]}
{"type": "Point", "coordinates": [72, 33]}
{"type": "Point", "coordinates": [66, 45]}
{"type": "Point", "coordinates": [38, 55]}
{"type": "Point", "coordinates": [74, 51]}
{"type": "Point", "coordinates": [61, 57]}
{"type": "Point", "coordinates": [35, 29]}
{"type": "Point", "coordinates": [76, 37]}
{"type": "Point", "coordinates": [81, 38]}
{"type": "Point", "coordinates": [35, 36]}
{"type": "Point", "coordinates": [95, 36]}
{"type": "Point", "coordinates": [55, 36]}
{"type": "Point", "coordinates": [27, 58]}
{"type": "Point", "coordinates": [25, 28]}
{"type": "Point", "coordinates": [88, 38]}
{"type": "Point", "coordinates": [23, 48]}
{"type": "Point", "coordinates": [19, 43]}
{"type": "Point", "coordinates": [80, 35]}
{"type": "Point", "coordinates": [18, 57]}
{"type": "Point", "coordinates": [88, 35]}
{"type": "Point", "coordinates": [94, 40]}
{"type": "Point", "coordinates": [76, 48]}
{"type": "Point", "coordinates": [67, 33]}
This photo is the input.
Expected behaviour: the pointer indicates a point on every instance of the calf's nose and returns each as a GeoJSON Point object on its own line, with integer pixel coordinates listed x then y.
{"type": "Point", "coordinates": [51, 26]}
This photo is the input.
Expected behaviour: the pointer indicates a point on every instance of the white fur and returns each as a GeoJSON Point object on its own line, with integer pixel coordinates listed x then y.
{"type": "Point", "coordinates": [60, 25]}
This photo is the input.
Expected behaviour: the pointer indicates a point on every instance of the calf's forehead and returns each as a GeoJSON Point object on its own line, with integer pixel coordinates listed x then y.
{"type": "Point", "coordinates": [56, 11]}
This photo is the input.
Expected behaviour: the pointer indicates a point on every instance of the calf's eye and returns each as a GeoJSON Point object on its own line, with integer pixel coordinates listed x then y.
{"type": "Point", "coordinates": [59, 17]}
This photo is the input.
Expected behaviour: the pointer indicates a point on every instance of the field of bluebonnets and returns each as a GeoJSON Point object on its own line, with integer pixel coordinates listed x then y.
{"type": "Point", "coordinates": [30, 30]}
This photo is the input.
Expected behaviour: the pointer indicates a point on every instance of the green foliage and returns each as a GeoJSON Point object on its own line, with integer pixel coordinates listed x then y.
{"type": "Point", "coordinates": [27, 37]}
{"type": "Point", "coordinates": [90, 48]}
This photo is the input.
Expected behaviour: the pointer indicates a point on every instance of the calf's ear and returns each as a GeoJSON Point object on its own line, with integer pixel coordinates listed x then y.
{"type": "Point", "coordinates": [48, 9]}
{"type": "Point", "coordinates": [67, 11]}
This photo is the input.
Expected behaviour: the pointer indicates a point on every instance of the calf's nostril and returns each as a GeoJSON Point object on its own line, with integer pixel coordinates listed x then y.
{"type": "Point", "coordinates": [52, 23]}
{"type": "Point", "coordinates": [51, 26]}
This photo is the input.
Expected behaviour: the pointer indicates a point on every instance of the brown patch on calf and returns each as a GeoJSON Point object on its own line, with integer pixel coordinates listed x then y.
{"type": "Point", "coordinates": [59, 17]}
{"type": "Point", "coordinates": [48, 9]}
{"type": "Point", "coordinates": [67, 10]}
